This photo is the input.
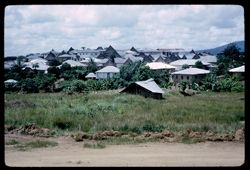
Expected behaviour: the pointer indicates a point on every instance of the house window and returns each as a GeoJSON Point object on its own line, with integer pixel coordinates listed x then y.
{"type": "Point", "coordinates": [182, 77]}
{"type": "Point", "coordinates": [195, 76]}
{"type": "Point", "coordinates": [187, 77]}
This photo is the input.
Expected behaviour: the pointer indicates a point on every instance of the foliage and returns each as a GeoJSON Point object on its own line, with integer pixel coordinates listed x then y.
{"type": "Point", "coordinates": [65, 67]}
{"type": "Point", "coordinates": [45, 81]}
{"type": "Point", "coordinates": [74, 73]}
{"type": "Point", "coordinates": [97, 145]}
{"type": "Point", "coordinates": [128, 71]}
{"type": "Point", "coordinates": [92, 67]}
{"type": "Point", "coordinates": [12, 87]}
{"type": "Point", "coordinates": [143, 73]}
{"type": "Point", "coordinates": [54, 70]}
{"type": "Point", "coordinates": [29, 85]}
{"type": "Point", "coordinates": [198, 64]}
{"type": "Point", "coordinates": [211, 82]}
{"type": "Point", "coordinates": [110, 110]}
{"type": "Point", "coordinates": [54, 63]}
{"type": "Point", "coordinates": [230, 58]}
{"type": "Point", "coordinates": [161, 77]}
{"type": "Point", "coordinates": [184, 85]}
{"type": "Point", "coordinates": [185, 66]}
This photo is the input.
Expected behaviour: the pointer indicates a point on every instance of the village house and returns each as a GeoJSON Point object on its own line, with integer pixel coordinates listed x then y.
{"type": "Point", "coordinates": [65, 57]}
{"type": "Point", "coordinates": [189, 74]}
{"type": "Point", "coordinates": [238, 71]}
{"type": "Point", "coordinates": [160, 66]}
{"type": "Point", "coordinates": [73, 63]}
{"type": "Point", "coordinates": [52, 55]}
{"type": "Point", "coordinates": [190, 62]}
{"type": "Point", "coordinates": [147, 88]}
{"type": "Point", "coordinates": [91, 76]}
{"type": "Point", "coordinates": [39, 64]}
{"type": "Point", "coordinates": [107, 72]}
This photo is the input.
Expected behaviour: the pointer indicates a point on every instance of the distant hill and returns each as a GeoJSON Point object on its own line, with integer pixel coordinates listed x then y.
{"type": "Point", "coordinates": [239, 44]}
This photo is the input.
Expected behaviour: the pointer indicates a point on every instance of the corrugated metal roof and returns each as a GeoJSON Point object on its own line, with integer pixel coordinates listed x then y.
{"type": "Point", "coordinates": [187, 61]}
{"type": "Point", "coordinates": [133, 58]}
{"type": "Point", "coordinates": [208, 58]}
{"type": "Point", "coordinates": [10, 81]}
{"type": "Point", "coordinates": [159, 65]}
{"type": "Point", "coordinates": [120, 60]}
{"type": "Point", "coordinates": [39, 60]}
{"type": "Point", "coordinates": [42, 64]}
{"type": "Point", "coordinates": [192, 71]}
{"type": "Point", "coordinates": [109, 69]}
{"type": "Point", "coordinates": [100, 61]}
{"type": "Point", "coordinates": [67, 55]}
{"type": "Point", "coordinates": [150, 85]}
{"type": "Point", "coordinates": [240, 69]}
{"type": "Point", "coordinates": [91, 75]}
{"type": "Point", "coordinates": [73, 63]}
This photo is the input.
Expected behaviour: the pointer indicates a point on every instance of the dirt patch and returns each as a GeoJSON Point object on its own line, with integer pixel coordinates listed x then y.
{"type": "Point", "coordinates": [71, 153]}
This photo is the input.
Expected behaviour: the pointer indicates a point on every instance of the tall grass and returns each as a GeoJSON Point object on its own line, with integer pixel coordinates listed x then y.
{"type": "Point", "coordinates": [99, 111]}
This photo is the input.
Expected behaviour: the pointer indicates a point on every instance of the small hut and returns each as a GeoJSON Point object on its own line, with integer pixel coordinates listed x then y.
{"type": "Point", "coordinates": [10, 81]}
{"type": "Point", "coordinates": [91, 76]}
{"type": "Point", "coordinates": [146, 88]}
{"type": "Point", "coordinates": [238, 71]}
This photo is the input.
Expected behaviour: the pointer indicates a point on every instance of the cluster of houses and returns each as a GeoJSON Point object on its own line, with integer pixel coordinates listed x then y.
{"type": "Point", "coordinates": [109, 61]}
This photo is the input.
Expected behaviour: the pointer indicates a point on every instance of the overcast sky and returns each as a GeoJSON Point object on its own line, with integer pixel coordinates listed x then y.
{"type": "Point", "coordinates": [39, 28]}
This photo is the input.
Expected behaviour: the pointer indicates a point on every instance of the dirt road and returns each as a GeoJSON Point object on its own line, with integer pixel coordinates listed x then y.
{"type": "Point", "coordinates": [70, 153]}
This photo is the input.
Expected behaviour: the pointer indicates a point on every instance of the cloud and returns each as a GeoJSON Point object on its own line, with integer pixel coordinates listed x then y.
{"type": "Point", "coordinates": [39, 28]}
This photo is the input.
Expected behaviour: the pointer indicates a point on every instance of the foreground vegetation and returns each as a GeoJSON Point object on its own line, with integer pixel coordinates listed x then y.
{"type": "Point", "coordinates": [110, 110]}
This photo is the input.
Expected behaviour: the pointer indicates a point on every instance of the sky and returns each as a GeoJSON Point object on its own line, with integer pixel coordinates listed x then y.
{"type": "Point", "coordinates": [40, 28]}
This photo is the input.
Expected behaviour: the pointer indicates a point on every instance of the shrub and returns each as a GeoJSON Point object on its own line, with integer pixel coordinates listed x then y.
{"type": "Point", "coordinates": [211, 82]}
{"type": "Point", "coordinates": [45, 82]}
{"type": "Point", "coordinates": [184, 84]}
{"type": "Point", "coordinates": [29, 85]}
{"type": "Point", "coordinates": [185, 66]}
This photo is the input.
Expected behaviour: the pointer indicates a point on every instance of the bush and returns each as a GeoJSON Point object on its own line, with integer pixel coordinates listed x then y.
{"type": "Point", "coordinates": [70, 87]}
{"type": "Point", "coordinates": [29, 86]}
{"type": "Point", "coordinates": [184, 85]}
{"type": "Point", "coordinates": [185, 66]}
{"type": "Point", "coordinates": [54, 70]}
{"type": "Point", "coordinates": [45, 82]}
{"type": "Point", "coordinates": [12, 87]}
{"type": "Point", "coordinates": [211, 82]}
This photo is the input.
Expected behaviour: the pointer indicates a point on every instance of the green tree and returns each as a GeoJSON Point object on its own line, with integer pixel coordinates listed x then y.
{"type": "Point", "coordinates": [161, 77]}
{"type": "Point", "coordinates": [143, 73]}
{"type": "Point", "coordinates": [45, 81]}
{"type": "Point", "coordinates": [128, 71]}
{"type": "Point", "coordinates": [54, 62]}
{"type": "Point", "coordinates": [185, 66]}
{"type": "Point", "coordinates": [184, 85]}
{"type": "Point", "coordinates": [92, 67]}
{"type": "Point", "coordinates": [54, 70]}
{"type": "Point", "coordinates": [198, 64]}
{"type": "Point", "coordinates": [29, 85]}
{"type": "Point", "coordinates": [64, 67]}
{"type": "Point", "coordinates": [229, 58]}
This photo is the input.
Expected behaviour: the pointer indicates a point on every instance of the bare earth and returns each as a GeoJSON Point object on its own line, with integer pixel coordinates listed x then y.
{"type": "Point", "coordinates": [71, 153]}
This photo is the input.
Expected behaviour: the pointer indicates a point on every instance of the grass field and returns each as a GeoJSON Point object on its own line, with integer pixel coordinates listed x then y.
{"type": "Point", "coordinates": [109, 110]}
